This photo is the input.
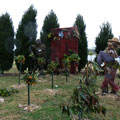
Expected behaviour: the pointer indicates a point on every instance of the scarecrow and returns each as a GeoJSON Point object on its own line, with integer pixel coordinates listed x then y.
{"type": "Point", "coordinates": [37, 50]}
{"type": "Point", "coordinates": [106, 59]}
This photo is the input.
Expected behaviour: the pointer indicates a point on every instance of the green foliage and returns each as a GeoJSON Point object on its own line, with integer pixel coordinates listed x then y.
{"type": "Point", "coordinates": [29, 78]}
{"type": "Point", "coordinates": [74, 57]}
{"type": "Point", "coordinates": [52, 66]}
{"type": "Point", "coordinates": [82, 43]}
{"type": "Point", "coordinates": [4, 92]}
{"type": "Point", "coordinates": [41, 61]}
{"type": "Point", "coordinates": [26, 35]}
{"type": "Point", "coordinates": [103, 36]}
{"type": "Point", "coordinates": [50, 35]}
{"type": "Point", "coordinates": [84, 100]}
{"type": "Point", "coordinates": [68, 59]}
{"type": "Point", "coordinates": [92, 69]}
{"type": "Point", "coordinates": [50, 22]}
{"type": "Point", "coordinates": [90, 53]}
{"type": "Point", "coordinates": [118, 51]}
{"type": "Point", "coordinates": [20, 59]}
{"type": "Point", "coordinates": [6, 42]}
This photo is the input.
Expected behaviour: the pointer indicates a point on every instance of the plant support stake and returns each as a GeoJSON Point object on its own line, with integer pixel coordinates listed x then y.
{"type": "Point", "coordinates": [66, 74]}
{"type": "Point", "coordinates": [20, 73]}
{"type": "Point", "coordinates": [28, 94]}
{"type": "Point", "coordinates": [80, 115]}
{"type": "Point", "coordinates": [52, 80]}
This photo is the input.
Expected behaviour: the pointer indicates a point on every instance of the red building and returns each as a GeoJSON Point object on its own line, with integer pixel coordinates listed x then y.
{"type": "Point", "coordinates": [62, 40]}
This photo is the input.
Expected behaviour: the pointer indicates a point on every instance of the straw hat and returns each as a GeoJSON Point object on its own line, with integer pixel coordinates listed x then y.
{"type": "Point", "coordinates": [115, 40]}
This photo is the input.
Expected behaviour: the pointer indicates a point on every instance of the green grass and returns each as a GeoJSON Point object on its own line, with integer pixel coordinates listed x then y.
{"type": "Point", "coordinates": [49, 105]}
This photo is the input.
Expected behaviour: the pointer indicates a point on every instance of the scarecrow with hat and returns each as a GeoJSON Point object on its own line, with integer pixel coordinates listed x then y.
{"type": "Point", "coordinates": [106, 59]}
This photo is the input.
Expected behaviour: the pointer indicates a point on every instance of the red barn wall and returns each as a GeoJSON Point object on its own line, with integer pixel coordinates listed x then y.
{"type": "Point", "coordinates": [60, 45]}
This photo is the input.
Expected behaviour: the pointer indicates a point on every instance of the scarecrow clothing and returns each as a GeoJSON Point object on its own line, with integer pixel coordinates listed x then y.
{"type": "Point", "coordinates": [107, 57]}
{"type": "Point", "coordinates": [109, 79]}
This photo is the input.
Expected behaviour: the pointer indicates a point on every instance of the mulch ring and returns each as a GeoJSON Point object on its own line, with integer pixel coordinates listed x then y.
{"type": "Point", "coordinates": [41, 80]}
{"type": "Point", "coordinates": [28, 108]}
{"type": "Point", "coordinates": [50, 92]}
{"type": "Point", "coordinates": [19, 86]}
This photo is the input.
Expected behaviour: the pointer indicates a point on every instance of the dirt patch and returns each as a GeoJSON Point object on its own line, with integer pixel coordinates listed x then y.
{"type": "Point", "coordinates": [117, 98]}
{"type": "Point", "coordinates": [110, 96]}
{"type": "Point", "coordinates": [42, 80]}
{"type": "Point", "coordinates": [50, 92]}
{"type": "Point", "coordinates": [10, 117]}
{"type": "Point", "coordinates": [28, 108]}
{"type": "Point", "coordinates": [107, 96]}
{"type": "Point", "coordinates": [19, 86]}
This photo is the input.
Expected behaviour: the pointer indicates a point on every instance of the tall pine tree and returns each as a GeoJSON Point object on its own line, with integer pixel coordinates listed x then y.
{"type": "Point", "coordinates": [50, 22]}
{"type": "Point", "coordinates": [6, 42]}
{"type": "Point", "coordinates": [26, 35]}
{"type": "Point", "coordinates": [82, 43]}
{"type": "Point", "coordinates": [103, 36]}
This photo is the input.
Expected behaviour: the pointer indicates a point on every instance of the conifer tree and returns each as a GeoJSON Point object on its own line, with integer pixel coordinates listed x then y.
{"type": "Point", "coordinates": [50, 22]}
{"type": "Point", "coordinates": [6, 42]}
{"type": "Point", "coordinates": [26, 35]}
{"type": "Point", "coordinates": [82, 42]}
{"type": "Point", "coordinates": [103, 36]}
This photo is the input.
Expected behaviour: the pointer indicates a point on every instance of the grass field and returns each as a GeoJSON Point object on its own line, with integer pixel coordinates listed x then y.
{"type": "Point", "coordinates": [49, 102]}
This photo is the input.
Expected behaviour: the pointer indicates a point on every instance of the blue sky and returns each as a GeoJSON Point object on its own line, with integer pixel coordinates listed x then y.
{"type": "Point", "coordinates": [94, 12]}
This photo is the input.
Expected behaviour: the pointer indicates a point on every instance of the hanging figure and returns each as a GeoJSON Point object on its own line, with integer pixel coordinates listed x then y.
{"type": "Point", "coordinates": [37, 50]}
{"type": "Point", "coordinates": [106, 59]}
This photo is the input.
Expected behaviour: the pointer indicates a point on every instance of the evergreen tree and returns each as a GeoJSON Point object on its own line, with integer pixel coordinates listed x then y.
{"type": "Point", "coordinates": [50, 22]}
{"type": "Point", "coordinates": [26, 35]}
{"type": "Point", "coordinates": [6, 42]}
{"type": "Point", "coordinates": [103, 36]}
{"type": "Point", "coordinates": [82, 42]}
{"type": "Point", "coordinates": [118, 51]}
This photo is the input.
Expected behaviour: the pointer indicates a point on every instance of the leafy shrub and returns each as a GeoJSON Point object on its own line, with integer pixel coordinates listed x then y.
{"type": "Point", "coordinates": [4, 92]}
{"type": "Point", "coordinates": [52, 66]}
{"type": "Point", "coordinates": [84, 100]}
{"type": "Point", "coordinates": [20, 59]}
{"type": "Point", "coordinates": [29, 78]}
